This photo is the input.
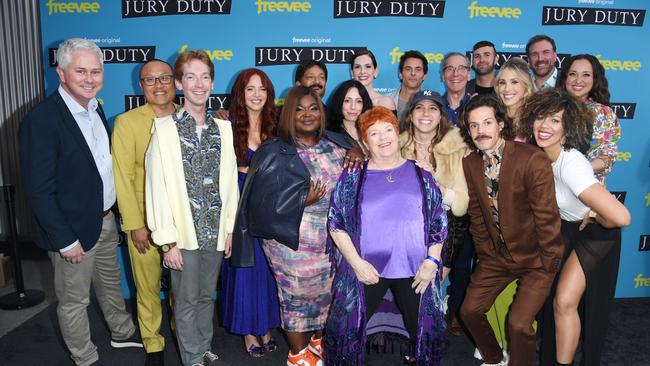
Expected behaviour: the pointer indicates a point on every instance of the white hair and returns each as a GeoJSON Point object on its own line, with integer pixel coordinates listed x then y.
{"type": "Point", "coordinates": [69, 46]}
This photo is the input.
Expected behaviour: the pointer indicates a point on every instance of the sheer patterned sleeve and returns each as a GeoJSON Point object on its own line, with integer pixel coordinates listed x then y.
{"type": "Point", "coordinates": [437, 216]}
{"type": "Point", "coordinates": [607, 132]}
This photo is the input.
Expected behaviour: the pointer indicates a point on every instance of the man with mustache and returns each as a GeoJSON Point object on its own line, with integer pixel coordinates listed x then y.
{"type": "Point", "coordinates": [455, 74]}
{"type": "Point", "coordinates": [540, 50]}
{"type": "Point", "coordinates": [484, 59]}
{"type": "Point", "coordinates": [516, 228]}
{"type": "Point", "coordinates": [313, 74]}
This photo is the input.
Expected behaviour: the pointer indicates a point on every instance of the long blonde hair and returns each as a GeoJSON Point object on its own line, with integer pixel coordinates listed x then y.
{"type": "Point", "coordinates": [521, 70]}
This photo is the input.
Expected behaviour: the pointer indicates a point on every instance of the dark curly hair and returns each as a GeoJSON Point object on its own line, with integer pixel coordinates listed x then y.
{"type": "Point", "coordinates": [335, 110]}
{"type": "Point", "coordinates": [600, 90]}
{"type": "Point", "coordinates": [500, 114]}
{"type": "Point", "coordinates": [239, 113]}
{"type": "Point", "coordinates": [577, 119]}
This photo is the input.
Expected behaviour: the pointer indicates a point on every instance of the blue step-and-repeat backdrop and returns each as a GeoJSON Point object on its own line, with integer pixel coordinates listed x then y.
{"type": "Point", "coordinates": [275, 35]}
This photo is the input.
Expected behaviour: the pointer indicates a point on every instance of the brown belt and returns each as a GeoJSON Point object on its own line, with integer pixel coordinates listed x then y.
{"type": "Point", "coordinates": [106, 212]}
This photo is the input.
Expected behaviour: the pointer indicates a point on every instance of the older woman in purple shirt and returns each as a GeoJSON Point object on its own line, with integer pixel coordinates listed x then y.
{"type": "Point", "coordinates": [383, 250]}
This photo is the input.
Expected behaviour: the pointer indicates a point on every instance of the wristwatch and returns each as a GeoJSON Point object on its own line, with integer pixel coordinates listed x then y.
{"type": "Point", "coordinates": [167, 247]}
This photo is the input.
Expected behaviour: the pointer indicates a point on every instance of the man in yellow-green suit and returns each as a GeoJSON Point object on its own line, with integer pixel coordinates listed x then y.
{"type": "Point", "coordinates": [131, 135]}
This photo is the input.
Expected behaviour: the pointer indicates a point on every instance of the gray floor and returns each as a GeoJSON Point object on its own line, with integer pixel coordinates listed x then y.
{"type": "Point", "coordinates": [37, 274]}
{"type": "Point", "coordinates": [38, 341]}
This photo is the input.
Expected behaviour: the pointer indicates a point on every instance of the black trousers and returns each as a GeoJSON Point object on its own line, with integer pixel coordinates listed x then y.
{"type": "Point", "coordinates": [599, 252]}
{"type": "Point", "coordinates": [405, 297]}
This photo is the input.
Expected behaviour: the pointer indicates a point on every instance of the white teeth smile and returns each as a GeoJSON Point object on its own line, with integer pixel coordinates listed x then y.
{"type": "Point", "coordinates": [544, 135]}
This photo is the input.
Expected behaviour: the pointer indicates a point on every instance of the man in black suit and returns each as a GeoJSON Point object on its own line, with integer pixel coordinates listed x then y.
{"type": "Point", "coordinates": [68, 178]}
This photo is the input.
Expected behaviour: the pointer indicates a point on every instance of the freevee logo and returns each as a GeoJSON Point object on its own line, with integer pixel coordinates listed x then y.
{"type": "Point", "coordinates": [282, 6]}
{"type": "Point", "coordinates": [623, 156]}
{"type": "Point", "coordinates": [292, 55]}
{"type": "Point", "coordinates": [218, 55]}
{"type": "Point", "coordinates": [492, 11]}
{"type": "Point", "coordinates": [619, 65]}
{"type": "Point", "coordinates": [117, 55]}
{"type": "Point", "coordinates": [152, 8]}
{"type": "Point", "coordinates": [383, 8]}
{"type": "Point", "coordinates": [624, 110]}
{"type": "Point", "coordinates": [431, 57]}
{"type": "Point", "coordinates": [502, 57]}
{"type": "Point", "coordinates": [555, 15]}
{"type": "Point", "coordinates": [215, 102]}
{"type": "Point", "coordinates": [640, 281]}
{"type": "Point", "coordinates": [56, 7]}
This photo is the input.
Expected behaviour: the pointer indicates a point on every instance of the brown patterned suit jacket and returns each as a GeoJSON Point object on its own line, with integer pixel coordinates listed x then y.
{"type": "Point", "coordinates": [528, 211]}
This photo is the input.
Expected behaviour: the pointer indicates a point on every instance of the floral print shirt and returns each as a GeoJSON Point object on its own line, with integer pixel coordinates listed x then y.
{"type": "Point", "coordinates": [201, 165]}
{"type": "Point", "coordinates": [606, 134]}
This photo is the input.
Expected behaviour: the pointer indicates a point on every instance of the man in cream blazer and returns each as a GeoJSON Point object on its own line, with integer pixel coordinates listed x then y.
{"type": "Point", "coordinates": [191, 198]}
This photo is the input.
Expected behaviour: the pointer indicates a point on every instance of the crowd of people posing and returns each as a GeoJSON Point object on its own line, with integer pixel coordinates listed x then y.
{"type": "Point", "coordinates": [339, 222]}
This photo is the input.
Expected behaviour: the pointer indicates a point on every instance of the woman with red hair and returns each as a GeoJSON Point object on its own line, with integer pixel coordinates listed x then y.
{"type": "Point", "coordinates": [250, 302]}
{"type": "Point", "coordinates": [377, 250]}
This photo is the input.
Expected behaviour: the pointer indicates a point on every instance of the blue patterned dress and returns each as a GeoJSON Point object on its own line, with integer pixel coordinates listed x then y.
{"type": "Point", "coordinates": [304, 276]}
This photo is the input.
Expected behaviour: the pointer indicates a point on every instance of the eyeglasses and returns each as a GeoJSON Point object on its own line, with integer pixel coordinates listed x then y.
{"type": "Point", "coordinates": [151, 80]}
{"type": "Point", "coordinates": [456, 69]}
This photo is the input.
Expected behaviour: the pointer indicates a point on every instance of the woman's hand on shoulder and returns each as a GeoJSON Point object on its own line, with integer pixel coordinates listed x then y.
{"type": "Point", "coordinates": [425, 165]}
{"type": "Point", "coordinates": [365, 272]}
{"type": "Point", "coordinates": [353, 159]}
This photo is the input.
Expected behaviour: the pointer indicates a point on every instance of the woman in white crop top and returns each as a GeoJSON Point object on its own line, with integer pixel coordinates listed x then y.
{"type": "Point", "coordinates": [562, 126]}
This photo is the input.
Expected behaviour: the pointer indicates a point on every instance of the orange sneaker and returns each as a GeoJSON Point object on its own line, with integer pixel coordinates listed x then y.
{"type": "Point", "coordinates": [303, 358]}
{"type": "Point", "coordinates": [315, 346]}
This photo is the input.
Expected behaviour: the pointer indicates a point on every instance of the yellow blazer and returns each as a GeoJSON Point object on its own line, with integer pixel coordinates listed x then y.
{"type": "Point", "coordinates": [169, 216]}
{"type": "Point", "coordinates": [131, 135]}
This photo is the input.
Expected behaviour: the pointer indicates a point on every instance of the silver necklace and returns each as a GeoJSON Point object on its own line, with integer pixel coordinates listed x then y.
{"type": "Point", "coordinates": [390, 177]}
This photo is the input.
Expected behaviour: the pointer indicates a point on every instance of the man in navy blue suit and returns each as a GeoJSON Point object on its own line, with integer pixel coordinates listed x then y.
{"type": "Point", "coordinates": [68, 178]}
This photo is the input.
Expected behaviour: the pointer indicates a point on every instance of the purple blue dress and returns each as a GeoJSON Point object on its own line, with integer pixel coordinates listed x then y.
{"type": "Point", "coordinates": [250, 299]}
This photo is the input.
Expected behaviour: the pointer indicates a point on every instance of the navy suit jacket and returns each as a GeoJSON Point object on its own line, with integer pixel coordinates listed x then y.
{"type": "Point", "coordinates": [59, 176]}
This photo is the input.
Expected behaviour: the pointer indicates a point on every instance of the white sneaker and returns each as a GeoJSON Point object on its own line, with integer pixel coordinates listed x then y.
{"type": "Point", "coordinates": [503, 362]}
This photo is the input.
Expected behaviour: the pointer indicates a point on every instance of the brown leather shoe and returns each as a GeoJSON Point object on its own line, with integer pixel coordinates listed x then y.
{"type": "Point", "coordinates": [454, 326]}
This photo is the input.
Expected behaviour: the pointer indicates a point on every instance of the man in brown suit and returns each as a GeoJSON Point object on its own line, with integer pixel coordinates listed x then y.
{"type": "Point", "coordinates": [515, 223]}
